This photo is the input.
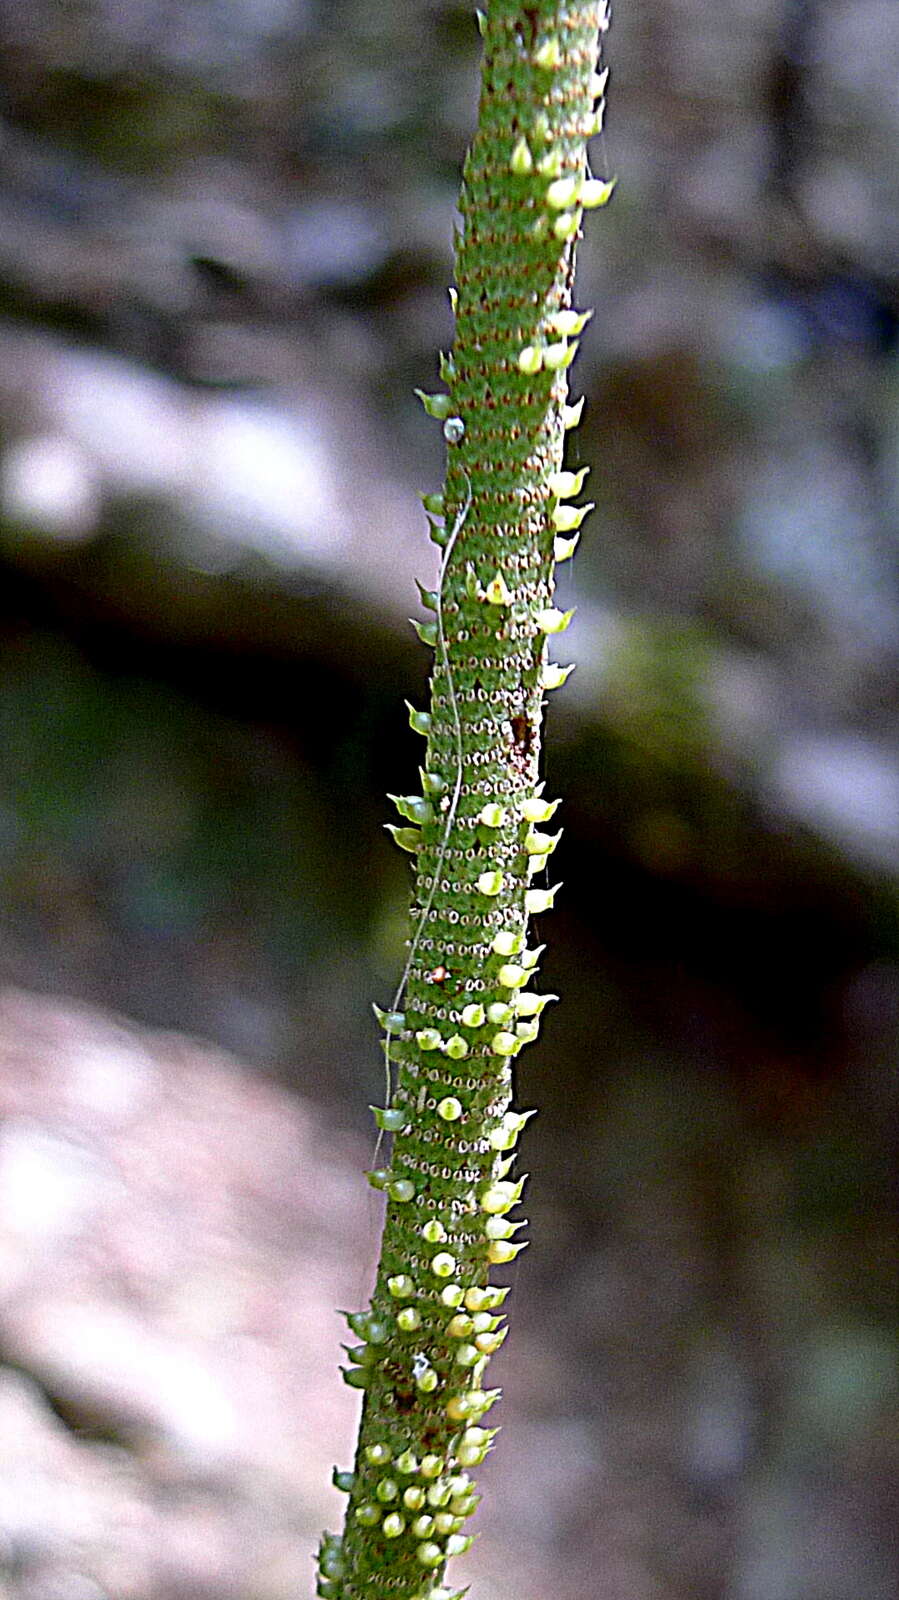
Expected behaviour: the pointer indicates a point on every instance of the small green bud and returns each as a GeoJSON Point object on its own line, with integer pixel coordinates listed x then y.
{"type": "Point", "coordinates": [502, 1138]}
{"type": "Point", "coordinates": [497, 591]}
{"type": "Point", "coordinates": [450, 1109]}
{"type": "Point", "coordinates": [431, 1466]}
{"type": "Point", "coordinates": [504, 1044]}
{"type": "Point", "coordinates": [343, 1481]}
{"type": "Point", "coordinates": [407, 838]}
{"type": "Point", "coordinates": [393, 1525]}
{"type": "Point", "coordinates": [361, 1354]}
{"type": "Point", "coordinates": [428, 1039]}
{"type": "Point", "coordinates": [571, 415]}
{"type": "Point", "coordinates": [549, 55]}
{"type": "Point", "coordinates": [466, 1505]}
{"type": "Point", "coordinates": [401, 1286]}
{"type": "Point", "coordinates": [456, 1544]}
{"type": "Point", "coordinates": [401, 1190]}
{"type": "Point", "coordinates": [568, 323]}
{"type": "Point", "coordinates": [459, 1483]}
{"type": "Point", "coordinates": [389, 1119]}
{"type": "Point", "coordinates": [567, 484]}
{"type": "Point", "coordinates": [476, 1298]}
{"type": "Point", "coordinates": [456, 1047]}
{"type": "Point", "coordinates": [459, 1326]}
{"type": "Point", "coordinates": [427, 632]}
{"type": "Point", "coordinates": [378, 1178]}
{"type": "Point", "coordinates": [356, 1377]}
{"type": "Point", "coordinates": [563, 549]}
{"type": "Point", "coordinates": [538, 843]}
{"type": "Point", "coordinates": [393, 1021]}
{"type": "Point", "coordinates": [511, 975]}
{"type": "Point", "coordinates": [507, 943]}
{"type": "Point", "coordinates": [553, 676]}
{"type": "Point", "coordinates": [499, 1011]}
{"type": "Point", "coordinates": [566, 518]}
{"type": "Point", "coordinates": [536, 809]}
{"type": "Point", "coordinates": [550, 165]}
{"type": "Point", "coordinates": [358, 1322]}
{"type": "Point", "coordinates": [454, 430]}
{"type": "Point", "coordinates": [434, 1232]}
{"type": "Point", "coordinates": [433, 503]}
{"type": "Point", "coordinates": [539, 900]}
{"type": "Point", "coordinates": [499, 1253]}
{"type": "Point", "coordinates": [530, 360]}
{"type": "Point", "coordinates": [499, 1228]}
{"type": "Point", "coordinates": [596, 193]}
{"type": "Point", "coordinates": [490, 883]}
{"type": "Point", "coordinates": [528, 1004]}
{"type": "Point", "coordinates": [433, 784]}
{"type": "Point", "coordinates": [368, 1516]}
{"type": "Point", "coordinates": [562, 193]}
{"type": "Point", "coordinates": [413, 1498]}
{"type": "Point", "coordinates": [598, 83]}
{"type": "Point", "coordinates": [467, 1355]}
{"type": "Point", "coordinates": [551, 620]}
{"type": "Point", "coordinates": [492, 815]}
{"type": "Point", "coordinates": [445, 1523]}
{"type": "Point", "coordinates": [413, 807]}
{"type": "Point", "coordinates": [474, 1446]}
{"type": "Point", "coordinates": [406, 1463]}
{"type": "Point", "coordinates": [439, 1495]}
{"type": "Point", "coordinates": [422, 1525]}
{"type": "Point", "coordinates": [473, 1016]}
{"type": "Point", "coordinates": [529, 958]}
{"type": "Point", "coordinates": [521, 161]}
{"type": "Point", "coordinates": [458, 1408]}
{"type": "Point", "coordinates": [419, 721]}
{"type": "Point", "coordinates": [436, 405]}
{"type": "Point", "coordinates": [429, 1553]}
{"type": "Point", "coordinates": [377, 1330]}
{"type": "Point", "coordinates": [501, 1197]}
{"type": "Point", "coordinates": [386, 1491]}
{"type": "Point", "coordinates": [427, 1381]}
{"type": "Point", "coordinates": [451, 1296]}
{"type": "Point", "coordinates": [528, 1031]}
{"type": "Point", "coordinates": [558, 356]}
{"type": "Point", "coordinates": [408, 1320]}
{"type": "Point", "coordinates": [443, 1265]}
{"type": "Point", "coordinates": [482, 1400]}
{"type": "Point", "coordinates": [481, 18]}
{"type": "Point", "coordinates": [428, 597]}
{"type": "Point", "coordinates": [540, 128]}
{"type": "Point", "coordinates": [482, 1322]}
{"type": "Point", "coordinates": [565, 227]}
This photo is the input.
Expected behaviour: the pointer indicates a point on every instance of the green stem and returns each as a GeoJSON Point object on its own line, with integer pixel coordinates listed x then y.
{"type": "Point", "coordinates": [476, 829]}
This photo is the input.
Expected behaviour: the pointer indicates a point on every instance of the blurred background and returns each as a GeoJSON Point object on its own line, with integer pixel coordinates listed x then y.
{"type": "Point", "coordinates": [225, 235]}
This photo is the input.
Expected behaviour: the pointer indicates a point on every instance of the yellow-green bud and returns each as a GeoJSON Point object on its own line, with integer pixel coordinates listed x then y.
{"type": "Point", "coordinates": [521, 160]}
{"type": "Point", "coordinates": [562, 193]}
{"type": "Point", "coordinates": [530, 359]}
{"type": "Point", "coordinates": [596, 193]}
{"type": "Point", "coordinates": [566, 518]}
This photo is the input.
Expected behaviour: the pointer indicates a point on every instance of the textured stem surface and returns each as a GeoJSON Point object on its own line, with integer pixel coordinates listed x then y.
{"type": "Point", "coordinates": [476, 829]}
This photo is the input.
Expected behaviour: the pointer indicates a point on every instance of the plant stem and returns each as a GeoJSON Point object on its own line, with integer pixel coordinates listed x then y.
{"type": "Point", "coordinates": [476, 828]}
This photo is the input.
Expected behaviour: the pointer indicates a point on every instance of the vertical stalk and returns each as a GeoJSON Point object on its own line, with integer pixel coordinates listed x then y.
{"type": "Point", "coordinates": [466, 1006]}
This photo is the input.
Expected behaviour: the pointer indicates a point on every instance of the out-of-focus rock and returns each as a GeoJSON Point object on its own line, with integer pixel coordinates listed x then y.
{"type": "Point", "coordinates": [173, 1244]}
